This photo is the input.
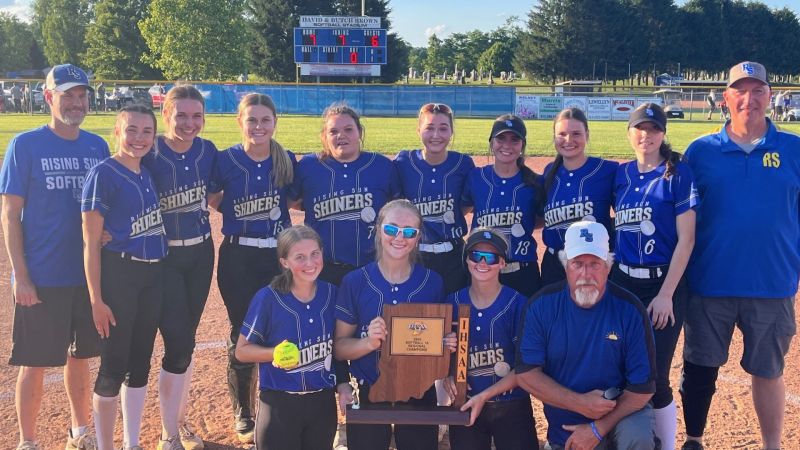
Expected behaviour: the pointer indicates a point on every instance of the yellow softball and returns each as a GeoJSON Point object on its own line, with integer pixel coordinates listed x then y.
{"type": "Point", "coordinates": [286, 355]}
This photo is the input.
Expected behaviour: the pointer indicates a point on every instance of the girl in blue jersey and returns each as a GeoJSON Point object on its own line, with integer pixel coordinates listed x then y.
{"type": "Point", "coordinates": [495, 316]}
{"type": "Point", "coordinates": [181, 165]}
{"type": "Point", "coordinates": [297, 408]}
{"type": "Point", "coordinates": [124, 275]}
{"type": "Point", "coordinates": [433, 179]}
{"type": "Point", "coordinates": [504, 196]}
{"type": "Point", "coordinates": [255, 177]}
{"type": "Point", "coordinates": [655, 225]}
{"type": "Point", "coordinates": [341, 189]}
{"type": "Point", "coordinates": [577, 186]}
{"type": "Point", "coordinates": [393, 278]}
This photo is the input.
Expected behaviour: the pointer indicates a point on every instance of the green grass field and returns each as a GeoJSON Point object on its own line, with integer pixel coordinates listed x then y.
{"type": "Point", "coordinates": [391, 134]}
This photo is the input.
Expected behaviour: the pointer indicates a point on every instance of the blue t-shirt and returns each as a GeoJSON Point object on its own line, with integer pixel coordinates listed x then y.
{"type": "Point", "coordinates": [608, 345]}
{"type": "Point", "coordinates": [506, 204]}
{"type": "Point", "coordinates": [129, 205]}
{"type": "Point", "coordinates": [646, 208]}
{"type": "Point", "coordinates": [183, 180]}
{"type": "Point", "coordinates": [273, 317]}
{"type": "Point", "coordinates": [342, 201]}
{"type": "Point", "coordinates": [48, 172]}
{"type": "Point", "coordinates": [436, 191]}
{"type": "Point", "coordinates": [747, 242]}
{"type": "Point", "coordinates": [493, 340]}
{"type": "Point", "coordinates": [585, 193]}
{"type": "Point", "coordinates": [252, 205]}
{"type": "Point", "coordinates": [362, 295]}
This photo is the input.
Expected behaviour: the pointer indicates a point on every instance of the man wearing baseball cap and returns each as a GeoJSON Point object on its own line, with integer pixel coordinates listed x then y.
{"type": "Point", "coordinates": [583, 342]}
{"type": "Point", "coordinates": [744, 269]}
{"type": "Point", "coordinates": [40, 183]}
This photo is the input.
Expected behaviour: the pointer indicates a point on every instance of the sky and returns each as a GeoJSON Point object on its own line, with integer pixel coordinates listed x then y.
{"type": "Point", "coordinates": [416, 20]}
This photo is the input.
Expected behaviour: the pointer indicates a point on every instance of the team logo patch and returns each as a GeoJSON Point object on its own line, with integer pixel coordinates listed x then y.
{"type": "Point", "coordinates": [509, 124]}
{"type": "Point", "coordinates": [748, 69]}
{"type": "Point", "coordinates": [771, 159]}
{"type": "Point", "coordinates": [487, 235]}
{"type": "Point", "coordinates": [417, 328]}
{"type": "Point", "coordinates": [588, 237]}
{"type": "Point", "coordinates": [73, 73]}
{"type": "Point", "coordinates": [649, 112]}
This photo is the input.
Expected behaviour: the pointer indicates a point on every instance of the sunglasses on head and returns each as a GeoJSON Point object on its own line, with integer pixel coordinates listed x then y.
{"type": "Point", "coordinates": [394, 231]}
{"type": "Point", "coordinates": [488, 257]}
{"type": "Point", "coordinates": [437, 108]}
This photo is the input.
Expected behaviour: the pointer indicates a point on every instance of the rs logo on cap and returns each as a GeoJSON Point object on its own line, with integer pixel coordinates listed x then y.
{"type": "Point", "coordinates": [487, 235]}
{"type": "Point", "coordinates": [649, 112]}
{"type": "Point", "coordinates": [589, 237]}
{"type": "Point", "coordinates": [748, 69]}
{"type": "Point", "coordinates": [509, 124]}
{"type": "Point", "coordinates": [73, 73]}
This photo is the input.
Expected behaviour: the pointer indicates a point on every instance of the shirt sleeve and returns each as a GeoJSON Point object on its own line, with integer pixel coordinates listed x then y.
{"type": "Point", "coordinates": [256, 324]}
{"type": "Point", "coordinates": [347, 298]}
{"type": "Point", "coordinates": [466, 195]}
{"type": "Point", "coordinates": [684, 190]}
{"type": "Point", "coordinates": [98, 191]}
{"type": "Point", "coordinates": [217, 182]}
{"type": "Point", "coordinates": [532, 346]}
{"type": "Point", "coordinates": [15, 174]}
{"type": "Point", "coordinates": [640, 354]}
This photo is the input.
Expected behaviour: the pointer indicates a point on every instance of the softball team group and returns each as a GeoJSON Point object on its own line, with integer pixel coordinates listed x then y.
{"type": "Point", "coordinates": [376, 232]}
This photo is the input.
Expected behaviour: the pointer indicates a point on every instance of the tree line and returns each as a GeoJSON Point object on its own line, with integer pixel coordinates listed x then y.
{"type": "Point", "coordinates": [612, 40]}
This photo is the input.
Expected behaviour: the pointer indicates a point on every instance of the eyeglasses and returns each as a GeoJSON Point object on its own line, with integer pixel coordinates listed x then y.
{"type": "Point", "coordinates": [394, 231]}
{"type": "Point", "coordinates": [436, 108]}
{"type": "Point", "coordinates": [488, 257]}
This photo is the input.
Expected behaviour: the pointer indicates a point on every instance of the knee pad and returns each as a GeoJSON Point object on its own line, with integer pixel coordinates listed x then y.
{"type": "Point", "coordinates": [107, 386]}
{"type": "Point", "coordinates": [662, 397]}
{"type": "Point", "coordinates": [698, 380]}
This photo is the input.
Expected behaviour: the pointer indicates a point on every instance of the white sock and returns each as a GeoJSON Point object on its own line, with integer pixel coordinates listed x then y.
{"type": "Point", "coordinates": [170, 393]}
{"type": "Point", "coordinates": [666, 425]}
{"type": "Point", "coordinates": [77, 431]}
{"type": "Point", "coordinates": [104, 411]}
{"type": "Point", "coordinates": [132, 411]}
{"type": "Point", "coordinates": [187, 384]}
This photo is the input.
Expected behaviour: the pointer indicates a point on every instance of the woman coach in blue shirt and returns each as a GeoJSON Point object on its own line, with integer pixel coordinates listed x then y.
{"type": "Point", "coordinates": [655, 224]}
{"type": "Point", "coordinates": [124, 276]}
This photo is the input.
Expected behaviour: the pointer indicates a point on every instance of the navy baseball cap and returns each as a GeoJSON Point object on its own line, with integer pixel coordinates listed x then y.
{"type": "Point", "coordinates": [648, 112]}
{"type": "Point", "coordinates": [508, 123]}
{"type": "Point", "coordinates": [66, 76]}
{"type": "Point", "coordinates": [488, 236]}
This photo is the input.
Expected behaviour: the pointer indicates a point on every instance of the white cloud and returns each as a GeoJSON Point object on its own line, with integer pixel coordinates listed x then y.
{"type": "Point", "coordinates": [19, 8]}
{"type": "Point", "coordinates": [439, 30]}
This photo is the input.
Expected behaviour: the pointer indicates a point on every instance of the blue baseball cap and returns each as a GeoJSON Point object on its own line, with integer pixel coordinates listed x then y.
{"type": "Point", "coordinates": [66, 76]}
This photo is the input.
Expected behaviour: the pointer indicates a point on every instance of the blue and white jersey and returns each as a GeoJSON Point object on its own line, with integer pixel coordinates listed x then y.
{"type": "Point", "coordinates": [129, 205]}
{"type": "Point", "coordinates": [583, 194]}
{"type": "Point", "coordinates": [608, 345]}
{"type": "Point", "coordinates": [362, 295]}
{"type": "Point", "coordinates": [647, 205]}
{"type": "Point", "coordinates": [506, 204]}
{"type": "Point", "coordinates": [252, 205]}
{"type": "Point", "coordinates": [48, 172]}
{"type": "Point", "coordinates": [183, 180]}
{"type": "Point", "coordinates": [493, 340]}
{"type": "Point", "coordinates": [436, 191]}
{"type": "Point", "coordinates": [342, 201]}
{"type": "Point", "coordinates": [273, 317]}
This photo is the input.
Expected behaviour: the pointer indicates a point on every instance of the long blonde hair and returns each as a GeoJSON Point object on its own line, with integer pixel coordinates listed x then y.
{"type": "Point", "coordinates": [282, 170]}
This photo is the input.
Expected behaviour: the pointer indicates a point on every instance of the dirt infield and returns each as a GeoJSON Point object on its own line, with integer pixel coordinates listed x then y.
{"type": "Point", "coordinates": [732, 422]}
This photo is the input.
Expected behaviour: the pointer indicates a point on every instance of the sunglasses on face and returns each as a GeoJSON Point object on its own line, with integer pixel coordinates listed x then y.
{"type": "Point", "coordinates": [394, 231]}
{"type": "Point", "coordinates": [488, 257]}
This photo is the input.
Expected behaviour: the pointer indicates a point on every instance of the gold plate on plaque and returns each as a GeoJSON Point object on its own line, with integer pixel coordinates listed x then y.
{"type": "Point", "coordinates": [417, 336]}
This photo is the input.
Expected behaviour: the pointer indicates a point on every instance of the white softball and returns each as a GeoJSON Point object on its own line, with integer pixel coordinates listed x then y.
{"type": "Point", "coordinates": [647, 227]}
{"type": "Point", "coordinates": [502, 369]}
{"type": "Point", "coordinates": [328, 362]}
{"type": "Point", "coordinates": [275, 213]}
{"type": "Point", "coordinates": [449, 217]}
{"type": "Point", "coordinates": [517, 230]}
{"type": "Point", "coordinates": [368, 214]}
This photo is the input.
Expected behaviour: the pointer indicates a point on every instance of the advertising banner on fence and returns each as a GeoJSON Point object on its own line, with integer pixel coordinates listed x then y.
{"type": "Point", "coordinates": [550, 106]}
{"type": "Point", "coordinates": [575, 102]}
{"type": "Point", "coordinates": [621, 107]}
{"type": "Point", "coordinates": [527, 106]}
{"type": "Point", "coordinates": [598, 108]}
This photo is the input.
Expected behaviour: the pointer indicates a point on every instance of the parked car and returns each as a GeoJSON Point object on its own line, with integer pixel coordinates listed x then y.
{"type": "Point", "coordinates": [157, 94]}
{"type": "Point", "coordinates": [672, 102]}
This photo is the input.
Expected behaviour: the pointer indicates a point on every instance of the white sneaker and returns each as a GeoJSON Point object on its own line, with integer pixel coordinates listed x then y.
{"type": "Point", "coordinates": [28, 445]}
{"type": "Point", "coordinates": [86, 441]}
{"type": "Point", "coordinates": [171, 443]}
{"type": "Point", "coordinates": [190, 439]}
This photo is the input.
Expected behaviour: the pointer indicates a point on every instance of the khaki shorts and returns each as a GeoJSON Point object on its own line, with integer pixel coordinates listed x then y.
{"type": "Point", "coordinates": [767, 326]}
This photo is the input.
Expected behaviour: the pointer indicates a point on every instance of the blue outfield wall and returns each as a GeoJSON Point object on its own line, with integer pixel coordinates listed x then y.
{"type": "Point", "coordinates": [367, 100]}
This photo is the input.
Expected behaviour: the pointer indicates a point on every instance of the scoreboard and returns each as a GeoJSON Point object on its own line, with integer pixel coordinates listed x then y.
{"type": "Point", "coordinates": [339, 45]}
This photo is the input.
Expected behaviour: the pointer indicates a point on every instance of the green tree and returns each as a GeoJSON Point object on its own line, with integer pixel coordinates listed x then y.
{"type": "Point", "coordinates": [114, 47]}
{"type": "Point", "coordinates": [416, 59]}
{"type": "Point", "coordinates": [497, 58]}
{"type": "Point", "coordinates": [63, 28]}
{"type": "Point", "coordinates": [195, 39]}
{"type": "Point", "coordinates": [15, 43]}
{"type": "Point", "coordinates": [434, 60]}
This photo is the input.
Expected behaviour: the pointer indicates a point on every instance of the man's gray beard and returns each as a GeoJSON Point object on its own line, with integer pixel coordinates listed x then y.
{"type": "Point", "coordinates": [74, 122]}
{"type": "Point", "coordinates": [586, 296]}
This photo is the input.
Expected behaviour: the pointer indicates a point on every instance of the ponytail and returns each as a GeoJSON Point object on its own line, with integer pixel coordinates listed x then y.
{"type": "Point", "coordinates": [671, 158]}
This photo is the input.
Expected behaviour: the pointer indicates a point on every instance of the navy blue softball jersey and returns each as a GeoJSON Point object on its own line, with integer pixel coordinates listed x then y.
{"type": "Point", "coordinates": [273, 317]}
{"type": "Point", "coordinates": [129, 205]}
{"type": "Point", "coordinates": [646, 208]}
{"type": "Point", "coordinates": [183, 181]}
{"type": "Point", "coordinates": [583, 194]}
{"type": "Point", "coordinates": [436, 191]}
{"type": "Point", "coordinates": [362, 295]}
{"type": "Point", "coordinates": [342, 201]}
{"type": "Point", "coordinates": [252, 206]}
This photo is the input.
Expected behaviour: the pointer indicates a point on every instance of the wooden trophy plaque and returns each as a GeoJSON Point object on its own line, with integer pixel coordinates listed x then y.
{"type": "Point", "coordinates": [412, 358]}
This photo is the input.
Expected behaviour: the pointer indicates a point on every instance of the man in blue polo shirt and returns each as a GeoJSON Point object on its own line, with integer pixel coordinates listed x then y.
{"type": "Point", "coordinates": [40, 183]}
{"type": "Point", "coordinates": [584, 342]}
{"type": "Point", "coordinates": [744, 269]}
